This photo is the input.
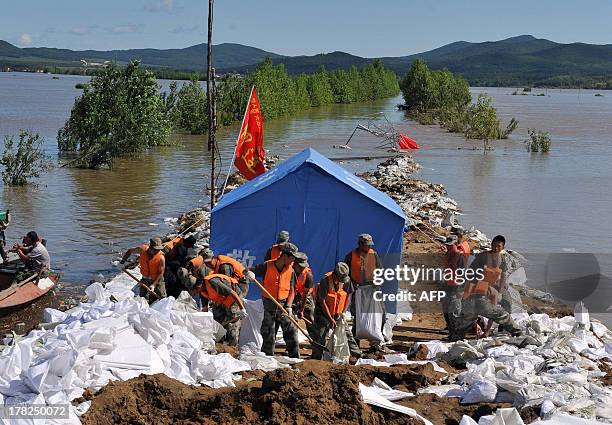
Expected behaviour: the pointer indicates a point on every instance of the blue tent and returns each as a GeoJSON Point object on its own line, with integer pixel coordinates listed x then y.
{"type": "Point", "coordinates": [324, 208]}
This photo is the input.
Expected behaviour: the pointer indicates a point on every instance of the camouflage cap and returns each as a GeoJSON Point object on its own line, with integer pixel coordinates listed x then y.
{"type": "Point", "coordinates": [301, 259]}
{"type": "Point", "coordinates": [283, 236]}
{"type": "Point", "coordinates": [341, 270]}
{"type": "Point", "coordinates": [207, 254]}
{"type": "Point", "coordinates": [290, 249]}
{"type": "Point", "coordinates": [366, 239]}
{"type": "Point", "coordinates": [156, 243]}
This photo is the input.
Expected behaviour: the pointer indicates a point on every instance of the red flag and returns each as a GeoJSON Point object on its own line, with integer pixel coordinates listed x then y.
{"type": "Point", "coordinates": [406, 142]}
{"type": "Point", "coordinates": [249, 147]}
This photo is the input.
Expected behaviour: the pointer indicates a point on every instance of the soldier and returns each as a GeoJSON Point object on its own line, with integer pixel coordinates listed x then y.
{"type": "Point", "coordinates": [303, 289]}
{"type": "Point", "coordinates": [362, 261]}
{"type": "Point", "coordinates": [331, 301]}
{"type": "Point", "coordinates": [275, 250]}
{"type": "Point", "coordinates": [227, 306]}
{"type": "Point", "coordinates": [456, 258]}
{"type": "Point", "coordinates": [152, 267]}
{"type": "Point", "coordinates": [480, 298]}
{"type": "Point", "coordinates": [228, 266]}
{"type": "Point", "coordinates": [279, 280]}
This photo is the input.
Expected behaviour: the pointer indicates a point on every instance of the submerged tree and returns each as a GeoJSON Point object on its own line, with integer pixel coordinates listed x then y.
{"type": "Point", "coordinates": [24, 160]}
{"type": "Point", "coordinates": [120, 112]}
{"type": "Point", "coordinates": [481, 121]}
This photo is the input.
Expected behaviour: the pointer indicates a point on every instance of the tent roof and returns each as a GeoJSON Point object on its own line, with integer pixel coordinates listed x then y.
{"type": "Point", "coordinates": [309, 156]}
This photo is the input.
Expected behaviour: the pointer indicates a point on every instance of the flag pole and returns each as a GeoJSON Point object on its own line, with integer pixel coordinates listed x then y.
{"type": "Point", "coordinates": [231, 164]}
{"type": "Point", "coordinates": [210, 95]}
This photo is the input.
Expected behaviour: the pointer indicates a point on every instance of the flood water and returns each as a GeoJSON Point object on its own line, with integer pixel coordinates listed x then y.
{"type": "Point", "coordinates": [542, 203]}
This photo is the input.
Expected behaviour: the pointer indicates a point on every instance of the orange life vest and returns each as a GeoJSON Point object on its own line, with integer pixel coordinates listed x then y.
{"type": "Point", "coordinates": [172, 243]}
{"type": "Point", "coordinates": [195, 263]}
{"type": "Point", "coordinates": [491, 276]}
{"type": "Point", "coordinates": [275, 252]}
{"type": "Point", "coordinates": [236, 265]}
{"type": "Point", "coordinates": [278, 284]}
{"type": "Point", "coordinates": [368, 267]}
{"type": "Point", "coordinates": [208, 292]}
{"type": "Point", "coordinates": [453, 264]}
{"type": "Point", "coordinates": [336, 301]}
{"type": "Point", "coordinates": [149, 267]}
{"type": "Point", "coordinates": [301, 282]}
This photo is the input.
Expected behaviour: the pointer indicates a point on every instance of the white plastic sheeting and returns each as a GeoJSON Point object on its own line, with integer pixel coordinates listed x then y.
{"type": "Point", "coordinates": [373, 397]}
{"type": "Point", "coordinates": [117, 336]}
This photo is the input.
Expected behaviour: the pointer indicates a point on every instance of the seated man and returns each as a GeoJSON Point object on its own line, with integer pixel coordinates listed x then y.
{"type": "Point", "coordinates": [34, 255]}
{"type": "Point", "coordinates": [481, 298]}
{"type": "Point", "coordinates": [331, 300]}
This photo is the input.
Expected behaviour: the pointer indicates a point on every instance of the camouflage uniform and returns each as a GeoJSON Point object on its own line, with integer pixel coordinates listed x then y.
{"type": "Point", "coordinates": [160, 289]}
{"type": "Point", "coordinates": [321, 325]}
{"type": "Point", "coordinates": [227, 317]}
{"type": "Point", "coordinates": [273, 318]}
{"type": "Point", "coordinates": [479, 305]}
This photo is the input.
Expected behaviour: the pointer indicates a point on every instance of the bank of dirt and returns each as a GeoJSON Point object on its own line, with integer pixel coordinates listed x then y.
{"type": "Point", "coordinates": [313, 392]}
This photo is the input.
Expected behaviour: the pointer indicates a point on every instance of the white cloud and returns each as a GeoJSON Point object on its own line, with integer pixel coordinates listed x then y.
{"type": "Point", "coordinates": [81, 30]}
{"type": "Point", "coordinates": [124, 29]}
{"type": "Point", "coordinates": [160, 6]}
{"type": "Point", "coordinates": [25, 39]}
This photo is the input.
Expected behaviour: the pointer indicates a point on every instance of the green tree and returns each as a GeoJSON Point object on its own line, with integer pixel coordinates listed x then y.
{"type": "Point", "coordinates": [23, 161]}
{"type": "Point", "coordinates": [418, 87]}
{"type": "Point", "coordinates": [482, 122]}
{"type": "Point", "coordinates": [319, 88]}
{"type": "Point", "coordinates": [190, 111]}
{"type": "Point", "coordinates": [539, 141]}
{"type": "Point", "coordinates": [120, 112]}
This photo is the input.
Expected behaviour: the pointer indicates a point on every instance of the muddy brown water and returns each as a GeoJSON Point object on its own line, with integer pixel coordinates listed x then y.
{"type": "Point", "coordinates": [542, 203]}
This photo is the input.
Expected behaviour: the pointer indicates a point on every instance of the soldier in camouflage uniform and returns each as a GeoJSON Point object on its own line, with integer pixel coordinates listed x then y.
{"type": "Point", "coordinates": [326, 319]}
{"type": "Point", "coordinates": [279, 280]}
{"type": "Point", "coordinates": [485, 304]}
{"type": "Point", "coordinates": [227, 306]}
{"type": "Point", "coordinates": [304, 306]}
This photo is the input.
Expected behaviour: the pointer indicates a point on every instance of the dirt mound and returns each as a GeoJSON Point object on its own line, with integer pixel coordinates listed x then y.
{"type": "Point", "coordinates": [313, 392]}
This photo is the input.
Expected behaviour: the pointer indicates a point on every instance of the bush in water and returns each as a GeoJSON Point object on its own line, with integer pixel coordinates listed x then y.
{"type": "Point", "coordinates": [539, 141]}
{"type": "Point", "coordinates": [190, 110]}
{"type": "Point", "coordinates": [23, 161]}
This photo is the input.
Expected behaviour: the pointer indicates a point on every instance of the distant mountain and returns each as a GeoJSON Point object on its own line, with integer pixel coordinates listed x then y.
{"type": "Point", "coordinates": [226, 55]}
{"type": "Point", "coordinates": [522, 60]}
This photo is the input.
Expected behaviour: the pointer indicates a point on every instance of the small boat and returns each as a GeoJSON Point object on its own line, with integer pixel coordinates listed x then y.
{"type": "Point", "coordinates": [16, 295]}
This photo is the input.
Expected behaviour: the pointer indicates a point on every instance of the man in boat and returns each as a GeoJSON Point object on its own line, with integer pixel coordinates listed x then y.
{"type": "Point", "coordinates": [275, 250]}
{"type": "Point", "coordinates": [228, 266]}
{"type": "Point", "coordinates": [34, 255]}
{"type": "Point", "coordinates": [331, 300]}
{"type": "Point", "coordinates": [480, 298]}
{"type": "Point", "coordinates": [227, 306]}
{"type": "Point", "coordinates": [5, 219]}
{"type": "Point", "coordinates": [362, 261]}
{"type": "Point", "coordinates": [152, 267]}
{"type": "Point", "coordinates": [456, 258]}
{"type": "Point", "coordinates": [304, 288]}
{"type": "Point", "coordinates": [279, 280]}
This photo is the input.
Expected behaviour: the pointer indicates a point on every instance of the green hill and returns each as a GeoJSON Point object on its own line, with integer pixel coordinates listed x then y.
{"type": "Point", "coordinates": [516, 61]}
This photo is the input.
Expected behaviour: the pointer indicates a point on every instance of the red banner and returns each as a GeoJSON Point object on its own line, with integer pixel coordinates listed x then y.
{"type": "Point", "coordinates": [249, 147]}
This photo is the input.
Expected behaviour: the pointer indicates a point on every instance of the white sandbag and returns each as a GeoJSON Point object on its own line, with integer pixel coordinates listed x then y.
{"type": "Point", "coordinates": [507, 416]}
{"type": "Point", "coordinates": [434, 348]}
{"type": "Point", "coordinates": [250, 328]}
{"type": "Point", "coordinates": [368, 314]}
{"type": "Point", "coordinates": [582, 315]}
{"type": "Point", "coordinates": [466, 420]}
{"type": "Point", "coordinates": [337, 344]}
{"type": "Point", "coordinates": [563, 419]}
{"type": "Point", "coordinates": [51, 315]}
{"type": "Point", "coordinates": [95, 293]}
{"type": "Point", "coordinates": [370, 396]}
{"type": "Point", "coordinates": [384, 390]}
{"type": "Point", "coordinates": [484, 371]}
{"type": "Point", "coordinates": [481, 391]}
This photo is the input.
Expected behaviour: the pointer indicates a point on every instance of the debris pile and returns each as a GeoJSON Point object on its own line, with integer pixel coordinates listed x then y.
{"type": "Point", "coordinates": [557, 366]}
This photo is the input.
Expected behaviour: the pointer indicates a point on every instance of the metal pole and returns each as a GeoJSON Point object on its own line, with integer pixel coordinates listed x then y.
{"type": "Point", "coordinates": [236, 147]}
{"type": "Point", "coordinates": [210, 96]}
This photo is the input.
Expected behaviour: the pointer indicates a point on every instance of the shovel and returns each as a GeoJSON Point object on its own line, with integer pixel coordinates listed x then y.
{"type": "Point", "coordinates": [149, 290]}
{"type": "Point", "coordinates": [282, 309]}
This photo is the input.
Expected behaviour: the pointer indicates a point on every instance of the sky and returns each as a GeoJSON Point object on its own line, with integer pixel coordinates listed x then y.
{"type": "Point", "coordinates": [289, 27]}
